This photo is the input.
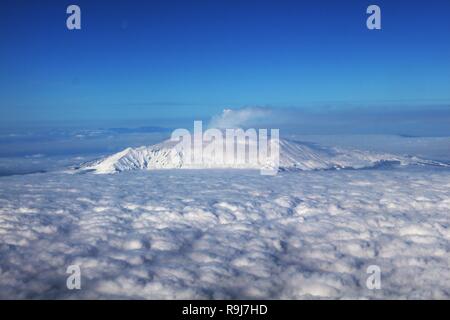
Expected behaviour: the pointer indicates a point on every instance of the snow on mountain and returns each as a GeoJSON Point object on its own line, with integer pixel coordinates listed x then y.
{"type": "Point", "coordinates": [294, 155]}
{"type": "Point", "coordinates": [230, 234]}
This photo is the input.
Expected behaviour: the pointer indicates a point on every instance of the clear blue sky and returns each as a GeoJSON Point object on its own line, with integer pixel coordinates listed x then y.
{"type": "Point", "coordinates": [168, 59]}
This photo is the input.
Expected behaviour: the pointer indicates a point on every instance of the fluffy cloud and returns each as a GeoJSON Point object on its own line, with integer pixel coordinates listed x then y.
{"type": "Point", "coordinates": [240, 118]}
{"type": "Point", "coordinates": [229, 234]}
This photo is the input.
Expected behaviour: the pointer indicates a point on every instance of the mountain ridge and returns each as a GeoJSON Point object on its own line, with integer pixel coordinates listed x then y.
{"type": "Point", "coordinates": [294, 155]}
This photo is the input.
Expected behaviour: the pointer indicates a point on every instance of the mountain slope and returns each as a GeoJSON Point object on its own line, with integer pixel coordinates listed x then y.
{"type": "Point", "coordinates": [293, 155]}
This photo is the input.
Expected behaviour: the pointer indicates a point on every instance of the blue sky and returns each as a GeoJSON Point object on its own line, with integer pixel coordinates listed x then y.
{"type": "Point", "coordinates": [153, 60]}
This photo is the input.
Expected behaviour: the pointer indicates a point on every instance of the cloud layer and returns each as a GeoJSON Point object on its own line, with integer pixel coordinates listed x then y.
{"type": "Point", "coordinates": [207, 234]}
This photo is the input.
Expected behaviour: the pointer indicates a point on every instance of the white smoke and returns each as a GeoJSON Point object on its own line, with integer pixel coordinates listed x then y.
{"type": "Point", "coordinates": [239, 118]}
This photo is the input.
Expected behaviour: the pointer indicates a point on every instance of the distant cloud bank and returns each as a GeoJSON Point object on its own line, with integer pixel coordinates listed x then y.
{"type": "Point", "coordinates": [431, 120]}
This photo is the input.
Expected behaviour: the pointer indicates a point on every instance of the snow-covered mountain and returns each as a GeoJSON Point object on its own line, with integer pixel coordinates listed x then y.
{"type": "Point", "coordinates": [293, 155]}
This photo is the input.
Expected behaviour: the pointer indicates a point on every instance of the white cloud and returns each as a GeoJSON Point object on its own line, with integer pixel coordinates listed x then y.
{"type": "Point", "coordinates": [240, 118]}
{"type": "Point", "coordinates": [231, 234]}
